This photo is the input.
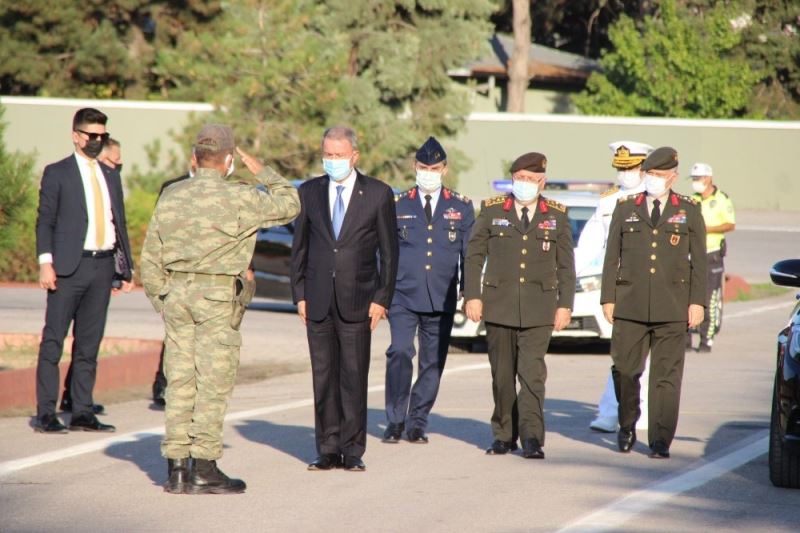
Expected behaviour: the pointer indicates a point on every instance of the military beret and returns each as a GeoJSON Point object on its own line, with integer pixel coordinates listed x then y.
{"type": "Point", "coordinates": [215, 138]}
{"type": "Point", "coordinates": [431, 152]}
{"type": "Point", "coordinates": [532, 162]}
{"type": "Point", "coordinates": [664, 158]}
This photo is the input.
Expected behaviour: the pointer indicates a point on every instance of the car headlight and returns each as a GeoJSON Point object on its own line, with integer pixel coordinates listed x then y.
{"type": "Point", "coordinates": [588, 283]}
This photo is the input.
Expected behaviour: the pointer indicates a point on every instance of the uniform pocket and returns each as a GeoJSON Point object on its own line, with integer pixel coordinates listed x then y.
{"type": "Point", "coordinates": [230, 338]}
{"type": "Point", "coordinates": [219, 294]}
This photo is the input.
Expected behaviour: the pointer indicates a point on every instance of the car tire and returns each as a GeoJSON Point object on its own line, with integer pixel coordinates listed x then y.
{"type": "Point", "coordinates": [784, 466]}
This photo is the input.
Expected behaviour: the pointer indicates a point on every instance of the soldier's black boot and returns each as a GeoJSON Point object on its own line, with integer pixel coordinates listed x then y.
{"type": "Point", "coordinates": [159, 388]}
{"type": "Point", "coordinates": [206, 478]}
{"type": "Point", "coordinates": [178, 472]}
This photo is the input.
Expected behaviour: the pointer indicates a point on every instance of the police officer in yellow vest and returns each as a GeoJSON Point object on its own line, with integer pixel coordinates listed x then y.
{"type": "Point", "coordinates": [654, 286]}
{"type": "Point", "coordinates": [719, 217]}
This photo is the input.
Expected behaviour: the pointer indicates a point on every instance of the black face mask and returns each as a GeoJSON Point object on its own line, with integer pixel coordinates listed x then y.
{"type": "Point", "coordinates": [93, 148]}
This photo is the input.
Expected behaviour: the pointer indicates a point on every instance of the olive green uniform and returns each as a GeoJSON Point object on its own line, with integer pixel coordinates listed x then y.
{"type": "Point", "coordinates": [529, 274]}
{"type": "Point", "coordinates": [199, 241]}
{"type": "Point", "coordinates": [652, 273]}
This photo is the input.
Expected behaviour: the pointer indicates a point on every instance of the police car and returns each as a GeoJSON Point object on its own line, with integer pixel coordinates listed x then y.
{"type": "Point", "coordinates": [581, 199]}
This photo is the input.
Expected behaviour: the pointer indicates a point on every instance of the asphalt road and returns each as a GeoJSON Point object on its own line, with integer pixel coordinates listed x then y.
{"type": "Point", "coordinates": [716, 480]}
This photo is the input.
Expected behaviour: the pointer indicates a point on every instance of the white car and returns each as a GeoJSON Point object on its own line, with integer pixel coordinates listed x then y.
{"type": "Point", "coordinates": [587, 321]}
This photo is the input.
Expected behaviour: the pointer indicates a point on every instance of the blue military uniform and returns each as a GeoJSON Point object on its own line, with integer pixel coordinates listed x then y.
{"type": "Point", "coordinates": [429, 278]}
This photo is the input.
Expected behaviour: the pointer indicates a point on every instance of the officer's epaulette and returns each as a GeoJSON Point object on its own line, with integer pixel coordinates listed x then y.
{"type": "Point", "coordinates": [449, 193]}
{"type": "Point", "coordinates": [556, 205]}
{"type": "Point", "coordinates": [609, 192]}
{"type": "Point", "coordinates": [685, 198]}
{"type": "Point", "coordinates": [398, 197]}
{"type": "Point", "coordinates": [626, 197]}
{"type": "Point", "coordinates": [497, 200]}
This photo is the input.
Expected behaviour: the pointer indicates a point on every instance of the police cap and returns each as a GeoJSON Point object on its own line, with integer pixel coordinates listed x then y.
{"type": "Point", "coordinates": [431, 152]}
{"type": "Point", "coordinates": [532, 162]}
{"type": "Point", "coordinates": [664, 158]}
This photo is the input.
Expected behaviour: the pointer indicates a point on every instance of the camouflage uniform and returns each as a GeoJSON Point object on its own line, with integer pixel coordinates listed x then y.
{"type": "Point", "coordinates": [200, 238]}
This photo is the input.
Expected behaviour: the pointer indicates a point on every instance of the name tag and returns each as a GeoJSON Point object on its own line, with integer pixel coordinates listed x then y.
{"type": "Point", "coordinates": [405, 217]}
{"type": "Point", "coordinates": [500, 222]}
{"type": "Point", "coordinates": [633, 218]}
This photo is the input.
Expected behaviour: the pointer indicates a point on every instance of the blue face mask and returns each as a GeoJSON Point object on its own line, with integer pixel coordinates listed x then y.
{"type": "Point", "coordinates": [525, 191]}
{"type": "Point", "coordinates": [337, 169]}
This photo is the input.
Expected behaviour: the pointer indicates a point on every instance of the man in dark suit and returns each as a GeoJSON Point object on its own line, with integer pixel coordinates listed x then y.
{"type": "Point", "coordinates": [344, 264]}
{"type": "Point", "coordinates": [433, 224]}
{"type": "Point", "coordinates": [654, 288]}
{"type": "Point", "coordinates": [82, 244]}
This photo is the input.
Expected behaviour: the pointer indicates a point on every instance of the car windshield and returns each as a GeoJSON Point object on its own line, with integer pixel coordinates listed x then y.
{"type": "Point", "coordinates": [578, 216]}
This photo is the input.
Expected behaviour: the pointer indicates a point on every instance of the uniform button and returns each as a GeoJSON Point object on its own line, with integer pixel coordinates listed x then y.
{"type": "Point", "coordinates": [430, 253]}
{"type": "Point", "coordinates": [430, 240]}
{"type": "Point", "coordinates": [546, 232]}
{"type": "Point", "coordinates": [427, 267]}
{"type": "Point", "coordinates": [430, 227]}
{"type": "Point", "coordinates": [655, 232]}
{"type": "Point", "coordinates": [652, 270]}
{"type": "Point", "coordinates": [335, 250]}
{"type": "Point", "coordinates": [522, 265]}
{"type": "Point", "coordinates": [524, 237]}
{"type": "Point", "coordinates": [524, 251]}
{"type": "Point", "coordinates": [654, 244]}
{"type": "Point", "coordinates": [522, 280]}
{"type": "Point", "coordinates": [653, 257]}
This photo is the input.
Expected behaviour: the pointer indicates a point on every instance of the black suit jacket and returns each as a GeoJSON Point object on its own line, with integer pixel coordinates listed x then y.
{"type": "Point", "coordinates": [63, 217]}
{"type": "Point", "coordinates": [362, 263]}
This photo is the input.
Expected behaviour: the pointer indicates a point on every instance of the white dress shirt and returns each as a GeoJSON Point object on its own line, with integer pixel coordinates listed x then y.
{"type": "Point", "coordinates": [349, 184]}
{"type": "Point", "coordinates": [88, 193]}
{"type": "Point", "coordinates": [434, 198]}
{"type": "Point", "coordinates": [663, 199]}
{"type": "Point", "coordinates": [531, 209]}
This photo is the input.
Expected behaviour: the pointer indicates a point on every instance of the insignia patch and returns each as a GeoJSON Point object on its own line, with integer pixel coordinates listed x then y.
{"type": "Point", "coordinates": [452, 214]}
{"type": "Point", "coordinates": [680, 218]}
{"type": "Point", "coordinates": [452, 236]}
{"type": "Point", "coordinates": [500, 222]}
{"type": "Point", "coordinates": [546, 246]}
{"type": "Point", "coordinates": [674, 240]}
{"type": "Point", "coordinates": [548, 224]}
{"type": "Point", "coordinates": [633, 218]}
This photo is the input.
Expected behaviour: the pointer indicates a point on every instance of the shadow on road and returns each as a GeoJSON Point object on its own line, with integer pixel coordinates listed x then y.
{"type": "Point", "coordinates": [296, 441]}
{"type": "Point", "coordinates": [145, 452]}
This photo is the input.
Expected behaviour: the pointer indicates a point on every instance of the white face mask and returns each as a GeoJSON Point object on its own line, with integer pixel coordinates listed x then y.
{"type": "Point", "coordinates": [428, 180]}
{"type": "Point", "coordinates": [524, 191]}
{"type": "Point", "coordinates": [654, 185]}
{"type": "Point", "coordinates": [699, 186]}
{"type": "Point", "coordinates": [629, 179]}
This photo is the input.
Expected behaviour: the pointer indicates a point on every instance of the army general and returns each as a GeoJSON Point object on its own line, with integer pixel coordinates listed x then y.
{"type": "Point", "coordinates": [525, 242]}
{"type": "Point", "coordinates": [198, 245]}
{"type": "Point", "coordinates": [654, 286]}
{"type": "Point", "coordinates": [433, 228]}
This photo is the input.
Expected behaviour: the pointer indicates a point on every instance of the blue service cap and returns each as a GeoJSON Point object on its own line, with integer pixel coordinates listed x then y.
{"type": "Point", "coordinates": [431, 152]}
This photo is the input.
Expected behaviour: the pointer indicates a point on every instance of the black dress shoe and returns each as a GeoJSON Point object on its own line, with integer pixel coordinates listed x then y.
{"type": "Point", "coordinates": [326, 461]}
{"type": "Point", "coordinates": [89, 423]}
{"type": "Point", "coordinates": [50, 424]}
{"type": "Point", "coordinates": [206, 478]}
{"type": "Point", "coordinates": [354, 464]}
{"type": "Point", "coordinates": [66, 406]}
{"type": "Point", "coordinates": [500, 447]}
{"type": "Point", "coordinates": [531, 449]}
{"type": "Point", "coordinates": [178, 471]}
{"type": "Point", "coordinates": [626, 438]}
{"type": "Point", "coordinates": [417, 436]}
{"type": "Point", "coordinates": [393, 433]}
{"type": "Point", "coordinates": [659, 450]}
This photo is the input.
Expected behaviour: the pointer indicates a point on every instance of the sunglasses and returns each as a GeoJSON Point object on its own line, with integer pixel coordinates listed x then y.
{"type": "Point", "coordinates": [95, 136]}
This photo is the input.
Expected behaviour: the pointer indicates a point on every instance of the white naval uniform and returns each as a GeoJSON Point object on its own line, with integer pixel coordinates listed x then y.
{"type": "Point", "coordinates": [589, 256]}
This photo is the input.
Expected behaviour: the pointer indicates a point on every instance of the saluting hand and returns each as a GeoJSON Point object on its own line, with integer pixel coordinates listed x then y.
{"type": "Point", "coordinates": [252, 164]}
{"type": "Point", "coordinates": [376, 313]}
{"type": "Point", "coordinates": [696, 314]}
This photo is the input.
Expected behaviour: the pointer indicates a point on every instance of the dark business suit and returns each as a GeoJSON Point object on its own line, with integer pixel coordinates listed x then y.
{"type": "Point", "coordinates": [83, 285]}
{"type": "Point", "coordinates": [338, 279]}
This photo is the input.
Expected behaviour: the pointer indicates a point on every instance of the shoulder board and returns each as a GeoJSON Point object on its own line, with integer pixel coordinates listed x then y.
{"type": "Point", "coordinates": [404, 194]}
{"type": "Point", "coordinates": [497, 200]}
{"type": "Point", "coordinates": [685, 198]}
{"type": "Point", "coordinates": [457, 196]}
{"type": "Point", "coordinates": [626, 197]}
{"type": "Point", "coordinates": [609, 192]}
{"type": "Point", "coordinates": [556, 205]}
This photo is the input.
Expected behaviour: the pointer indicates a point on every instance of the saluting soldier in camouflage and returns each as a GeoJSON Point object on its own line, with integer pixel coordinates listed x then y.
{"type": "Point", "coordinates": [198, 245]}
{"type": "Point", "coordinates": [527, 291]}
{"type": "Point", "coordinates": [654, 286]}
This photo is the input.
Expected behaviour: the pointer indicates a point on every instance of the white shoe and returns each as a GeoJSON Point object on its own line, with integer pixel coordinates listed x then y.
{"type": "Point", "coordinates": [606, 424]}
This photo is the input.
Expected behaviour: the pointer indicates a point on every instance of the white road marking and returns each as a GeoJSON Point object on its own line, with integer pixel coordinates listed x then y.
{"type": "Point", "coordinates": [611, 517]}
{"type": "Point", "coordinates": [768, 229]}
{"type": "Point", "coordinates": [758, 310]}
{"type": "Point", "coordinates": [9, 467]}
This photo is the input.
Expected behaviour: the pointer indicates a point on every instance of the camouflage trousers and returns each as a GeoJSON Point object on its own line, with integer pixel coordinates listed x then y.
{"type": "Point", "coordinates": [200, 364]}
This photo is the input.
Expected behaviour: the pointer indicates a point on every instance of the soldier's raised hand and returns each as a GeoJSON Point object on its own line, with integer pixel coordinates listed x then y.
{"type": "Point", "coordinates": [252, 164]}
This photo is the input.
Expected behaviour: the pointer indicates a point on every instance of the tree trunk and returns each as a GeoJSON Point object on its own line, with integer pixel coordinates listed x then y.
{"type": "Point", "coordinates": [518, 65]}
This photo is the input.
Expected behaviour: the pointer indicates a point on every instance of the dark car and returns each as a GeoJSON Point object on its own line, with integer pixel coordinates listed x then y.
{"type": "Point", "coordinates": [271, 262]}
{"type": "Point", "coordinates": [784, 435]}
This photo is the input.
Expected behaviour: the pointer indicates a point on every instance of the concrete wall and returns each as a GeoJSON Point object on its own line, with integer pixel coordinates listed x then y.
{"type": "Point", "coordinates": [754, 161]}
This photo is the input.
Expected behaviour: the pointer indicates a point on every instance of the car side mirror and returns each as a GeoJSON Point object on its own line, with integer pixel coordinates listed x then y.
{"type": "Point", "coordinates": [786, 273]}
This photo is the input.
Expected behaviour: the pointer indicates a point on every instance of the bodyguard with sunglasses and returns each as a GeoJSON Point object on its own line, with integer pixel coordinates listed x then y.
{"type": "Point", "coordinates": [82, 244]}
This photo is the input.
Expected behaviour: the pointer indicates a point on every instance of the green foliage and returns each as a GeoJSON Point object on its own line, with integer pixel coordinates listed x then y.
{"type": "Point", "coordinates": [679, 64]}
{"type": "Point", "coordinates": [17, 215]}
{"type": "Point", "coordinates": [139, 205]}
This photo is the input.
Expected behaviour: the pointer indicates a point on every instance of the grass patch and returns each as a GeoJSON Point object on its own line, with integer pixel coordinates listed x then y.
{"type": "Point", "coordinates": [759, 291]}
